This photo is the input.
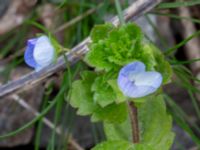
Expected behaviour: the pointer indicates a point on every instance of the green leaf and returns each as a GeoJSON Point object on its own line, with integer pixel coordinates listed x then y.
{"type": "Point", "coordinates": [96, 57]}
{"type": "Point", "coordinates": [155, 125]}
{"type": "Point", "coordinates": [119, 95]}
{"type": "Point", "coordinates": [121, 145]}
{"type": "Point", "coordinates": [122, 45]}
{"type": "Point", "coordinates": [82, 99]}
{"type": "Point", "coordinates": [118, 131]}
{"type": "Point", "coordinates": [115, 48]}
{"type": "Point", "coordinates": [134, 31]}
{"type": "Point", "coordinates": [81, 96]}
{"type": "Point", "coordinates": [103, 92]}
{"type": "Point", "coordinates": [146, 55]}
{"type": "Point", "coordinates": [113, 113]}
{"type": "Point", "coordinates": [162, 65]}
{"type": "Point", "coordinates": [88, 77]}
{"type": "Point", "coordinates": [99, 32]}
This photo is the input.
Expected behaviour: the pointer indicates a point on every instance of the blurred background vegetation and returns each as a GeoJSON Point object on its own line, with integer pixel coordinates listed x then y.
{"type": "Point", "coordinates": [173, 26]}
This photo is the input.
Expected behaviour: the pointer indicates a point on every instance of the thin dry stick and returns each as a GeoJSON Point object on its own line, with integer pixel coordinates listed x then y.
{"type": "Point", "coordinates": [24, 104]}
{"type": "Point", "coordinates": [133, 12]}
{"type": "Point", "coordinates": [134, 122]}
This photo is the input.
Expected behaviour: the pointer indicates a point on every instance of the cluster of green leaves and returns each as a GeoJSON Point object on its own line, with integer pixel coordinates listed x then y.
{"type": "Point", "coordinates": [83, 97]}
{"type": "Point", "coordinates": [97, 94]}
{"type": "Point", "coordinates": [113, 47]}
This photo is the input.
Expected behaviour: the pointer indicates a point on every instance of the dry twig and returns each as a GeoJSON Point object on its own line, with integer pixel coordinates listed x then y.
{"type": "Point", "coordinates": [133, 12]}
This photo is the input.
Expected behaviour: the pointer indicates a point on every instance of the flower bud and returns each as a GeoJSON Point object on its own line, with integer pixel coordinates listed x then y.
{"type": "Point", "coordinates": [39, 53]}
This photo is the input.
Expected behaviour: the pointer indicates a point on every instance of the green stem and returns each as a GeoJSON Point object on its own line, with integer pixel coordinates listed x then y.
{"type": "Point", "coordinates": [134, 122]}
{"type": "Point", "coordinates": [119, 11]}
{"type": "Point", "coordinates": [40, 125]}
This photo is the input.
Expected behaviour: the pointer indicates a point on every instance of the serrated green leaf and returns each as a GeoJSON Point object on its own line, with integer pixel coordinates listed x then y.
{"type": "Point", "coordinates": [117, 48]}
{"type": "Point", "coordinates": [118, 131]}
{"type": "Point", "coordinates": [123, 45]}
{"type": "Point", "coordinates": [96, 57]}
{"type": "Point", "coordinates": [99, 32]}
{"type": "Point", "coordinates": [82, 99]}
{"type": "Point", "coordinates": [88, 76]}
{"type": "Point", "coordinates": [81, 96]}
{"type": "Point", "coordinates": [103, 93]}
{"type": "Point", "coordinates": [113, 113]}
{"type": "Point", "coordinates": [134, 31]}
{"type": "Point", "coordinates": [121, 145]}
{"type": "Point", "coordinates": [155, 125]}
{"type": "Point", "coordinates": [119, 95]}
{"type": "Point", "coordinates": [162, 65]}
{"type": "Point", "coordinates": [147, 57]}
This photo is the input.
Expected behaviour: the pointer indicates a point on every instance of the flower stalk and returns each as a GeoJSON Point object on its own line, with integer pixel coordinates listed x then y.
{"type": "Point", "coordinates": [134, 122]}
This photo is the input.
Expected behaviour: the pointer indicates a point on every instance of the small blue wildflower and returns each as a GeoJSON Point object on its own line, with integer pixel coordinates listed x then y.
{"type": "Point", "coordinates": [39, 52]}
{"type": "Point", "coordinates": [135, 82]}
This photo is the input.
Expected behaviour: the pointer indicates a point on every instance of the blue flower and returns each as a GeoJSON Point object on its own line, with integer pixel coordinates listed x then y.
{"type": "Point", "coordinates": [135, 82]}
{"type": "Point", "coordinates": [39, 52]}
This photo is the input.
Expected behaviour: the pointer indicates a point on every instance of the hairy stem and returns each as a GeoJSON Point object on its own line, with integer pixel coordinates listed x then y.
{"type": "Point", "coordinates": [134, 122]}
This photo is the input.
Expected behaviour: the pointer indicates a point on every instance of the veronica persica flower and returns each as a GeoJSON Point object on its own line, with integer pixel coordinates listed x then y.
{"type": "Point", "coordinates": [135, 82]}
{"type": "Point", "coordinates": [39, 53]}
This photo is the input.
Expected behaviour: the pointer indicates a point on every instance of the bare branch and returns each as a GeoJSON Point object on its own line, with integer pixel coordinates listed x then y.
{"type": "Point", "coordinates": [133, 12]}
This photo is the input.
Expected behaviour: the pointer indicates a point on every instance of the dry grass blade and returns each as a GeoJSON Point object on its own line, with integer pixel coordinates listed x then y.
{"type": "Point", "coordinates": [133, 12]}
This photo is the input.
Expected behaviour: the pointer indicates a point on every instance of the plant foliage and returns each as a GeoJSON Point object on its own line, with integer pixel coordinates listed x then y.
{"type": "Point", "coordinates": [96, 93]}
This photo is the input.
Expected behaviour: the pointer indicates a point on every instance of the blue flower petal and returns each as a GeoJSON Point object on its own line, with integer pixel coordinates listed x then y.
{"type": "Point", "coordinates": [28, 56]}
{"type": "Point", "coordinates": [134, 82]}
{"type": "Point", "coordinates": [44, 52]}
{"type": "Point", "coordinates": [136, 66]}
